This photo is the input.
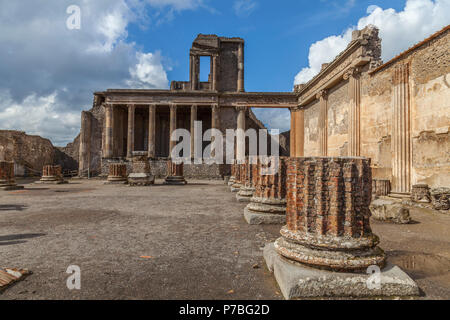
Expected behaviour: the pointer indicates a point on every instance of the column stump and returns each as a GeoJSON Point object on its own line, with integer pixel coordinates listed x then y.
{"type": "Point", "coordinates": [175, 174]}
{"type": "Point", "coordinates": [380, 188]}
{"type": "Point", "coordinates": [7, 177]}
{"type": "Point", "coordinates": [268, 204]}
{"type": "Point", "coordinates": [238, 177]}
{"type": "Point", "coordinates": [247, 190]}
{"type": "Point", "coordinates": [52, 175]}
{"type": "Point", "coordinates": [421, 193]}
{"type": "Point", "coordinates": [327, 248]}
{"type": "Point", "coordinates": [117, 174]}
{"type": "Point", "coordinates": [141, 172]}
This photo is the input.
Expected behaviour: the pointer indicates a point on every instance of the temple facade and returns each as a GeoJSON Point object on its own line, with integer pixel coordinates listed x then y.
{"type": "Point", "coordinates": [126, 121]}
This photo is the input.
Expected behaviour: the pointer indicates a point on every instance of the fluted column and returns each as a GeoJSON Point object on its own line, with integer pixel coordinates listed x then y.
{"type": "Point", "coordinates": [215, 124]}
{"type": "Point", "coordinates": [130, 140]}
{"type": "Point", "coordinates": [194, 71]}
{"type": "Point", "coordinates": [193, 119]}
{"type": "Point", "coordinates": [240, 135]}
{"type": "Point", "coordinates": [323, 123]}
{"type": "Point", "coordinates": [354, 122]}
{"type": "Point", "coordinates": [292, 133]}
{"type": "Point", "coordinates": [401, 140]}
{"type": "Point", "coordinates": [299, 132]}
{"type": "Point", "coordinates": [214, 72]}
{"type": "Point", "coordinates": [85, 143]}
{"type": "Point", "coordinates": [109, 131]}
{"type": "Point", "coordinates": [240, 81]}
{"type": "Point", "coordinates": [152, 131]}
{"type": "Point", "coordinates": [173, 127]}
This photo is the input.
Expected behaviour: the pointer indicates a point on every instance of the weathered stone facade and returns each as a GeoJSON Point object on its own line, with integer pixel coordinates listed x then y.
{"type": "Point", "coordinates": [396, 113]}
{"type": "Point", "coordinates": [328, 216]}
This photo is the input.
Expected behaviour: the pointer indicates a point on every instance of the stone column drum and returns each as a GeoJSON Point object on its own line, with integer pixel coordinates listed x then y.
{"type": "Point", "coordinates": [248, 188]}
{"type": "Point", "coordinates": [141, 175]}
{"type": "Point", "coordinates": [268, 204]}
{"type": "Point", "coordinates": [52, 175]}
{"type": "Point", "coordinates": [117, 173]}
{"type": "Point", "coordinates": [175, 173]}
{"type": "Point", "coordinates": [380, 188]}
{"type": "Point", "coordinates": [7, 181]}
{"type": "Point", "coordinates": [239, 176]}
{"type": "Point", "coordinates": [327, 246]}
{"type": "Point", "coordinates": [233, 174]}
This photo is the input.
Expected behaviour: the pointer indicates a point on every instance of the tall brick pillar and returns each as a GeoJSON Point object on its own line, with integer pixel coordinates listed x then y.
{"type": "Point", "coordinates": [354, 132]}
{"type": "Point", "coordinates": [7, 176]}
{"type": "Point", "coordinates": [130, 139]}
{"type": "Point", "coordinates": [248, 183]}
{"type": "Point", "coordinates": [268, 204]}
{"type": "Point", "coordinates": [323, 123]}
{"type": "Point", "coordinates": [238, 171]}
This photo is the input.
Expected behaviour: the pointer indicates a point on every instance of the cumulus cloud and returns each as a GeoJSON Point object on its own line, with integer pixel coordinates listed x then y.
{"type": "Point", "coordinates": [398, 30]}
{"type": "Point", "coordinates": [244, 7]}
{"type": "Point", "coordinates": [49, 73]}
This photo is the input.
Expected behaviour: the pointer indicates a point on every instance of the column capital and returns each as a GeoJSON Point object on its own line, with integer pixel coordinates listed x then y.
{"type": "Point", "coordinates": [241, 108]}
{"type": "Point", "coordinates": [131, 106]}
{"type": "Point", "coordinates": [296, 108]}
{"type": "Point", "coordinates": [172, 106]}
{"type": "Point", "coordinates": [322, 94]}
{"type": "Point", "coordinates": [352, 72]}
{"type": "Point", "coordinates": [194, 106]}
{"type": "Point", "coordinates": [215, 107]}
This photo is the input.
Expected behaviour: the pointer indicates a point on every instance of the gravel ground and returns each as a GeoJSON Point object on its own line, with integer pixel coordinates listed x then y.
{"type": "Point", "coordinates": [171, 242]}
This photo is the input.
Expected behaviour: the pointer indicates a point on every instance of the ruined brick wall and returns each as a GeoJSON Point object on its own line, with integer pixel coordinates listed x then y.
{"type": "Point", "coordinates": [228, 63]}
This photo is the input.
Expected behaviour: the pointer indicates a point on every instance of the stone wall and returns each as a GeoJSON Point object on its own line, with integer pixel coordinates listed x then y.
{"type": "Point", "coordinates": [402, 126]}
{"type": "Point", "coordinates": [31, 153]}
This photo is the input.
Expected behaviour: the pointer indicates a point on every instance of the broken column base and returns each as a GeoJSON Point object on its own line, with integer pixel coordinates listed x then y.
{"type": "Point", "coordinates": [116, 182]}
{"type": "Point", "coordinates": [245, 194]}
{"type": "Point", "coordinates": [298, 281]}
{"type": "Point", "coordinates": [231, 181]}
{"type": "Point", "coordinates": [176, 180]}
{"type": "Point", "coordinates": [140, 180]}
{"type": "Point", "coordinates": [52, 181]}
{"type": "Point", "coordinates": [10, 187]}
{"type": "Point", "coordinates": [236, 187]}
{"type": "Point", "coordinates": [265, 211]}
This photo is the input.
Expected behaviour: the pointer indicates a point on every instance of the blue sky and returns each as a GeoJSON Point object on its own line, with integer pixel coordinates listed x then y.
{"type": "Point", "coordinates": [49, 72]}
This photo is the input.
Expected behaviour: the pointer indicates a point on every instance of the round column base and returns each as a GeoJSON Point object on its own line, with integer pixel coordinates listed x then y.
{"type": "Point", "coordinates": [175, 180]}
{"type": "Point", "coordinates": [236, 187]}
{"type": "Point", "coordinates": [245, 194]}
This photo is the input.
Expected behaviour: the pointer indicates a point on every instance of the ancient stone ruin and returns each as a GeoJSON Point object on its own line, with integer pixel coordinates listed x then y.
{"type": "Point", "coordinates": [52, 174]}
{"type": "Point", "coordinates": [268, 204]}
{"type": "Point", "coordinates": [7, 178]}
{"type": "Point", "coordinates": [141, 173]}
{"type": "Point", "coordinates": [117, 173]}
{"type": "Point", "coordinates": [175, 173]}
{"type": "Point", "coordinates": [248, 187]}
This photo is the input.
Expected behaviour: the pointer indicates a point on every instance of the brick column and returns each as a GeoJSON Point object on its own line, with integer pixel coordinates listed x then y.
{"type": "Point", "coordinates": [401, 131]}
{"type": "Point", "coordinates": [130, 140]}
{"type": "Point", "coordinates": [268, 204]}
{"type": "Point", "coordinates": [117, 173]}
{"type": "Point", "coordinates": [233, 174]}
{"type": "Point", "coordinates": [7, 176]}
{"type": "Point", "coordinates": [354, 90]}
{"type": "Point", "coordinates": [52, 175]}
{"type": "Point", "coordinates": [323, 123]}
{"type": "Point", "coordinates": [240, 135]}
{"type": "Point", "coordinates": [85, 143]}
{"type": "Point", "coordinates": [109, 120]}
{"type": "Point", "coordinates": [193, 119]}
{"type": "Point", "coordinates": [175, 173]}
{"type": "Point", "coordinates": [299, 132]}
{"type": "Point", "coordinates": [240, 81]}
{"type": "Point", "coordinates": [214, 70]}
{"type": "Point", "coordinates": [292, 133]}
{"type": "Point", "coordinates": [152, 131]}
{"type": "Point", "coordinates": [173, 127]}
{"type": "Point", "coordinates": [328, 215]}
{"type": "Point", "coordinates": [249, 181]}
{"type": "Point", "coordinates": [215, 124]}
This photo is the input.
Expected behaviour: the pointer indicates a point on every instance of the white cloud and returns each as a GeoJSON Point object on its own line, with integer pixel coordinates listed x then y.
{"type": "Point", "coordinates": [398, 30]}
{"type": "Point", "coordinates": [49, 73]}
{"type": "Point", "coordinates": [244, 7]}
{"type": "Point", "coordinates": [149, 72]}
